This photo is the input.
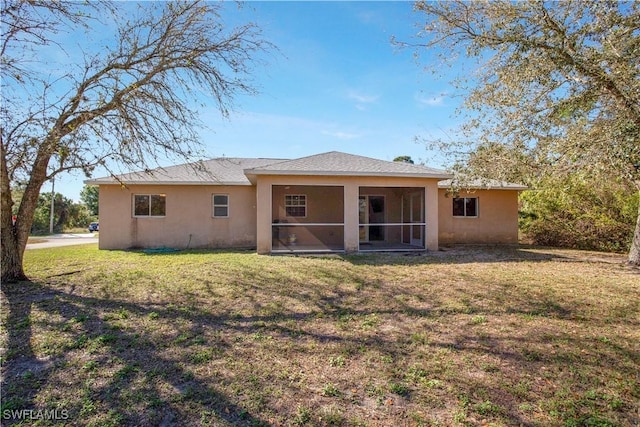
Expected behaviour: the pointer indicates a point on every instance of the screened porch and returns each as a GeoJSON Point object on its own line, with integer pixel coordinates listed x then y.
{"type": "Point", "coordinates": [391, 219]}
{"type": "Point", "coordinates": [311, 218]}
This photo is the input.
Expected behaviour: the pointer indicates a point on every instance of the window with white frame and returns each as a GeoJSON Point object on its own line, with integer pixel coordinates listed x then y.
{"type": "Point", "coordinates": [149, 205]}
{"type": "Point", "coordinates": [465, 206]}
{"type": "Point", "coordinates": [295, 205]}
{"type": "Point", "coordinates": [220, 205]}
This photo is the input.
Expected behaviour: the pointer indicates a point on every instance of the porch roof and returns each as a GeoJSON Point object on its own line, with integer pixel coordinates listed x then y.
{"type": "Point", "coordinates": [335, 163]}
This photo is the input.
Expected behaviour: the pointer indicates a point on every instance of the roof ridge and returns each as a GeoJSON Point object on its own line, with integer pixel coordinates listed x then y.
{"type": "Point", "coordinates": [337, 162]}
{"type": "Point", "coordinates": [312, 155]}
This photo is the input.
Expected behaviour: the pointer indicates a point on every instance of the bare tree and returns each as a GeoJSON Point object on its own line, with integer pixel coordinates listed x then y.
{"type": "Point", "coordinates": [129, 103]}
{"type": "Point", "coordinates": [556, 88]}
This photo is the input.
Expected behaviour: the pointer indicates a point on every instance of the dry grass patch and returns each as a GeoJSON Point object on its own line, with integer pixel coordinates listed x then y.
{"type": "Point", "coordinates": [480, 336]}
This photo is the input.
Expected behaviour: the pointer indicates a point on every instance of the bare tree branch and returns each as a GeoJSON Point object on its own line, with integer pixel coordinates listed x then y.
{"type": "Point", "coordinates": [129, 104]}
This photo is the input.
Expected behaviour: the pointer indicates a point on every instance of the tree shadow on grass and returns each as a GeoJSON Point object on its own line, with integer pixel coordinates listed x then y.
{"type": "Point", "coordinates": [465, 254]}
{"type": "Point", "coordinates": [143, 384]}
{"type": "Point", "coordinates": [134, 357]}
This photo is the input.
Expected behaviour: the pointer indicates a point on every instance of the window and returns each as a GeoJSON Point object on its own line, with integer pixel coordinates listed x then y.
{"type": "Point", "coordinates": [220, 205]}
{"type": "Point", "coordinates": [295, 205]}
{"type": "Point", "coordinates": [465, 206]}
{"type": "Point", "coordinates": [149, 205]}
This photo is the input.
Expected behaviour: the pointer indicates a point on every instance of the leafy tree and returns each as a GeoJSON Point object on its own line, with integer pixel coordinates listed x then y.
{"type": "Point", "coordinates": [128, 104]}
{"type": "Point", "coordinates": [66, 214]}
{"type": "Point", "coordinates": [403, 159]}
{"type": "Point", "coordinates": [90, 197]}
{"type": "Point", "coordinates": [579, 211]}
{"type": "Point", "coordinates": [555, 87]}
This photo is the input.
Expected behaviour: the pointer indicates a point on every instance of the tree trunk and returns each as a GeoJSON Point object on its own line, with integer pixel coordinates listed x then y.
{"type": "Point", "coordinates": [13, 237]}
{"type": "Point", "coordinates": [634, 253]}
{"type": "Point", "coordinates": [11, 253]}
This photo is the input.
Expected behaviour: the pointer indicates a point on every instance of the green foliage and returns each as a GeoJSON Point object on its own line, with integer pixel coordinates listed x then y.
{"type": "Point", "coordinates": [303, 416]}
{"type": "Point", "coordinates": [66, 214]}
{"type": "Point", "coordinates": [331, 390]}
{"type": "Point", "coordinates": [487, 408]}
{"type": "Point", "coordinates": [579, 211]}
{"type": "Point", "coordinates": [89, 196]}
{"type": "Point", "coordinates": [399, 388]}
{"type": "Point", "coordinates": [404, 159]}
{"type": "Point", "coordinates": [337, 361]}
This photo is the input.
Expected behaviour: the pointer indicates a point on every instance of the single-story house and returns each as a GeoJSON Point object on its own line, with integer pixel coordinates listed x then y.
{"type": "Point", "coordinates": [326, 202]}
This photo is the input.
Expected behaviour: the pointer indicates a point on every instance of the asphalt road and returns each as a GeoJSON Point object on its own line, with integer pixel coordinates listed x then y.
{"type": "Point", "coordinates": [56, 240]}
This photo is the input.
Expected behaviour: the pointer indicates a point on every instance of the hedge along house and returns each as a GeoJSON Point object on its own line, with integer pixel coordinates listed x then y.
{"type": "Point", "coordinates": [330, 202]}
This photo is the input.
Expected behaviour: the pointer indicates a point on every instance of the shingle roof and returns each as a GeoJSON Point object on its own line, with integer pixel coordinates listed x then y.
{"type": "Point", "coordinates": [220, 171]}
{"type": "Point", "coordinates": [482, 184]}
{"type": "Point", "coordinates": [237, 170]}
{"type": "Point", "coordinates": [337, 163]}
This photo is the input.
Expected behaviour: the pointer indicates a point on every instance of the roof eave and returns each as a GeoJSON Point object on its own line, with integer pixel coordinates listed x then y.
{"type": "Point", "coordinates": [487, 187]}
{"type": "Point", "coordinates": [125, 182]}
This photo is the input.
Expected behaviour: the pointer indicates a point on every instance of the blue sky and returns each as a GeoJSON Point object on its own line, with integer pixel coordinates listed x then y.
{"type": "Point", "coordinates": [337, 83]}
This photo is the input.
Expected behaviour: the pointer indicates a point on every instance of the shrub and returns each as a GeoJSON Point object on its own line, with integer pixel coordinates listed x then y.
{"type": "Point", "coordinates": [580, 212]}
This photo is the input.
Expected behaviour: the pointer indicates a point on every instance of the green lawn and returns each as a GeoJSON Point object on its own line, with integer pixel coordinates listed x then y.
{"type": "Point", "coordinates": [475, 336]}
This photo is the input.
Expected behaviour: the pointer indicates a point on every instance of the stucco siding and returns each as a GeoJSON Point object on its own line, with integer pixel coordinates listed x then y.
{"type": "Point", "coordinates": [497, 220]}
{"type": "Point", "coordinates": [325, 204]}
{"type": "Point", "coordinates": [188, 222]}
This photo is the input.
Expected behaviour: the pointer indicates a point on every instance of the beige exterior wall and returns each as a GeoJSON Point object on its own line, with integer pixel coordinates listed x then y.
{"type": "Point", "coordinates": [324, 203]}
{"type": "Point", "coordinates": [497, 220]}
{"type": "Point", "coordinates": [351, 190]}
{"type": "Point", "coordinates": [189, 220]}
